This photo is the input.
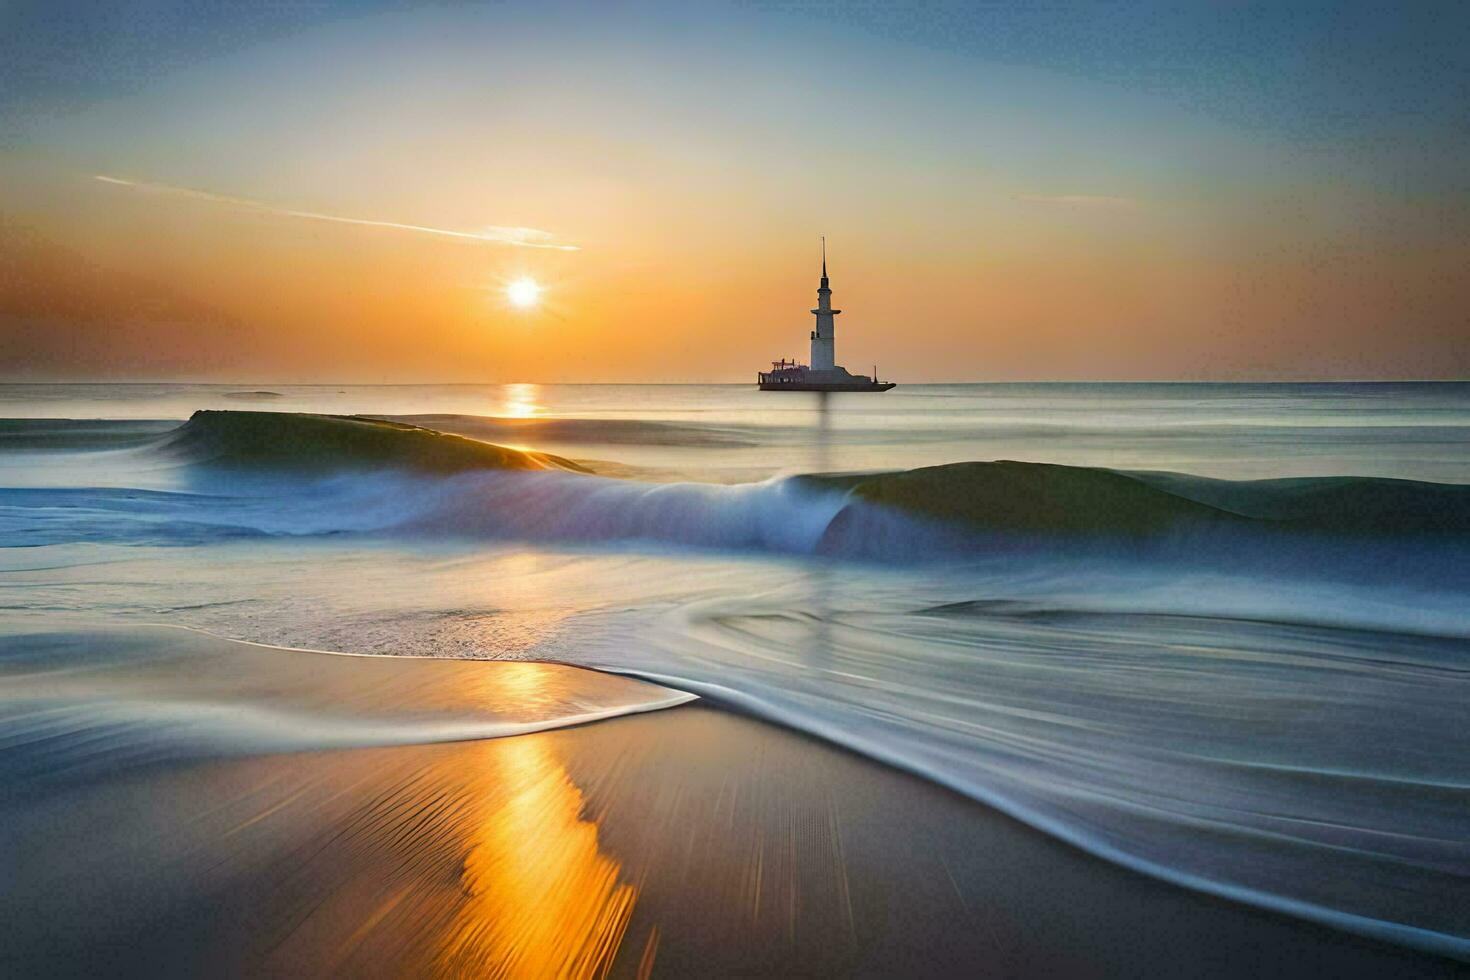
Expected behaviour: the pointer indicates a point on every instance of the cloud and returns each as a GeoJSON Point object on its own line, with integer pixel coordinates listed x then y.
{"type": "Point", "coordinates": [495, 234]}
{"type": "Point", "coordinates": [1099, 202]}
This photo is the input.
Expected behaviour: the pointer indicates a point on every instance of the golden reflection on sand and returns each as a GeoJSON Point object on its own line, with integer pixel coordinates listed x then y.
{"type": "Point", "coordinates": [541, 899]}
{"type": "Point", "coordinates": [522, 690]}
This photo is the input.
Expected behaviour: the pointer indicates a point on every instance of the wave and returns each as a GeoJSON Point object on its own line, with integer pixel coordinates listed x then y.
{"type": "Point", "coordinates": [334, 442]}
{"type": "Point", "coordinates": [1073, 500]}
{"type": "Point", "coordinates": [640, 432]}
{"type": "Point", "coordinates": [782, 517]}
{"type": "Point", "coordinates": [80, 434]}
{"type": "Point", "coordinates": [240, 473]}
{"type": "Point", "coordinates": [1313, 770]}
{"type": "Point", "coordinates": [977, 497]}
{"type": "Point", "coordinates": [1355, 504]}
{"type": "Point", "coordinates": [256, 395]}
{"type": "Point", "coordinates": [78, 701]}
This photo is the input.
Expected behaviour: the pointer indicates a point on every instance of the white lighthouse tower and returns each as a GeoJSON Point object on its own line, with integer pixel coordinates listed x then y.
{"type": "Point", "coordinates": [824, 352]}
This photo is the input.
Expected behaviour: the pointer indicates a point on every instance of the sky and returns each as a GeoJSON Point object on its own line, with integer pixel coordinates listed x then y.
{"type": "Point", "coordinates": [323, 191]}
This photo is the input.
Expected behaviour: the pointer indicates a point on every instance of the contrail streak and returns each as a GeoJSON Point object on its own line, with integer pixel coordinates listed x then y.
{"type": "Point", "coordinates": [496, 234]}
{"type": "Point", "coordinates": [1101, 202]}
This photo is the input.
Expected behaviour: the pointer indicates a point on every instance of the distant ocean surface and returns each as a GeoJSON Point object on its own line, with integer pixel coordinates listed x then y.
{"type": "Point", "coordinates": [1224, 641]}
{"type": "Point", "coordinates": [729, 433]}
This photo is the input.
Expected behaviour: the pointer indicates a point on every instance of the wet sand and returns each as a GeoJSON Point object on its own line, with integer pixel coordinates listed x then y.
{"type": "Point", "coordinates": [687, 841]}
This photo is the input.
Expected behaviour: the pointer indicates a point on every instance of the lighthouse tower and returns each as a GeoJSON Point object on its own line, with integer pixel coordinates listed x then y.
{"type": "Point", "coordinates": [824, 354]}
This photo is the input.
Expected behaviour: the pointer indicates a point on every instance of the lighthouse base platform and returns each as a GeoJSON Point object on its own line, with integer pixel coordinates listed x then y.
{"type": "Point", "coordinates": [783, 385]}
{"type": "Point", "coordinates": [785, 376]}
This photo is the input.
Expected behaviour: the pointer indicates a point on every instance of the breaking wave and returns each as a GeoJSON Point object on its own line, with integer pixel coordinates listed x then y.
{"type": "Point", "coordinates": [232, 474]}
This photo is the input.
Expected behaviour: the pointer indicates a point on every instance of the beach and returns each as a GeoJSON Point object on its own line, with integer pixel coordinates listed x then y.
{"type": "Point", "coordinates": [686, 840]}
{"type": "Point", "coordinates": [675, 678]}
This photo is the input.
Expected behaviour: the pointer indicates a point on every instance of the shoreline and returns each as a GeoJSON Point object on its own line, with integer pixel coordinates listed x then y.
{"type": "Point", "coordinates": [692, 839]}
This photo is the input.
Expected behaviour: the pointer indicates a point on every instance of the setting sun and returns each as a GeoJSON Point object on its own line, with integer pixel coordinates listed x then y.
{"type": "Point", "coordinates": [523, 293]}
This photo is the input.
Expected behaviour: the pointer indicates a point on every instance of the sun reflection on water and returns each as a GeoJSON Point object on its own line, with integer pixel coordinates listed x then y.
{"type": "Point", "coordinates": [520, 401]}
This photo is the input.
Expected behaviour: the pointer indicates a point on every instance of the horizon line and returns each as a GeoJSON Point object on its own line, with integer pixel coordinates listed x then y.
{"type": "Point", "coordinates": [733, 384]}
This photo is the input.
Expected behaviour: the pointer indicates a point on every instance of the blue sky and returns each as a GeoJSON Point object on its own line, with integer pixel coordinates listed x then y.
{"type": "Point", "coordinates": [1309, 70]}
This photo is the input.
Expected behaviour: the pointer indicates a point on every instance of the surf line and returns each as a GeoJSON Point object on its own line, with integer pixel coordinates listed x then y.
{"type": "Point", "coordinates": [674, 698]}
{"type": "Point", "coordinates": [1415, 937]}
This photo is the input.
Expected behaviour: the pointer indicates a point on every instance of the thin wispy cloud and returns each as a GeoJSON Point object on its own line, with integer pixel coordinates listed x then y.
{"type": "Point", "coordinates": [495, 234]}
{"type": "Point", "coordinates": [1099, 202]}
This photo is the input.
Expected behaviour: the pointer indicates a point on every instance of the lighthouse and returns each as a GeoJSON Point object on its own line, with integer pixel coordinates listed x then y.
{"type": "Point", "coordinates": [823, 373]}
{"type": "Point", "coordinates": [824, 352]}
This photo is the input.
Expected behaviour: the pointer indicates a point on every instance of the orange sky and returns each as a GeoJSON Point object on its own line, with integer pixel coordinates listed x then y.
{"type": "Point", "coordinates": [986, 221]}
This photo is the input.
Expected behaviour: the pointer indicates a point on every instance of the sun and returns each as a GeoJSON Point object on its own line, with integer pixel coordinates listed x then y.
{"type": "Point", "coordinates": [523, 293]}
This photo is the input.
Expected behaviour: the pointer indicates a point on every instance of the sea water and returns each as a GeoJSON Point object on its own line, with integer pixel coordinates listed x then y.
{"type": "Point", "coordinates": [1271, 715]}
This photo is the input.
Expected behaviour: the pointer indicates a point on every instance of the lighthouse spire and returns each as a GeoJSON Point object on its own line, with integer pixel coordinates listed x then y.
{"type": "Point", "coordinates": [823, 356]}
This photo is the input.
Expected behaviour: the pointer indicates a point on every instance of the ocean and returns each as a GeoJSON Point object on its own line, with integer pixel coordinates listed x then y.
{"type": "Point", "coordinates": [1215, 633]}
